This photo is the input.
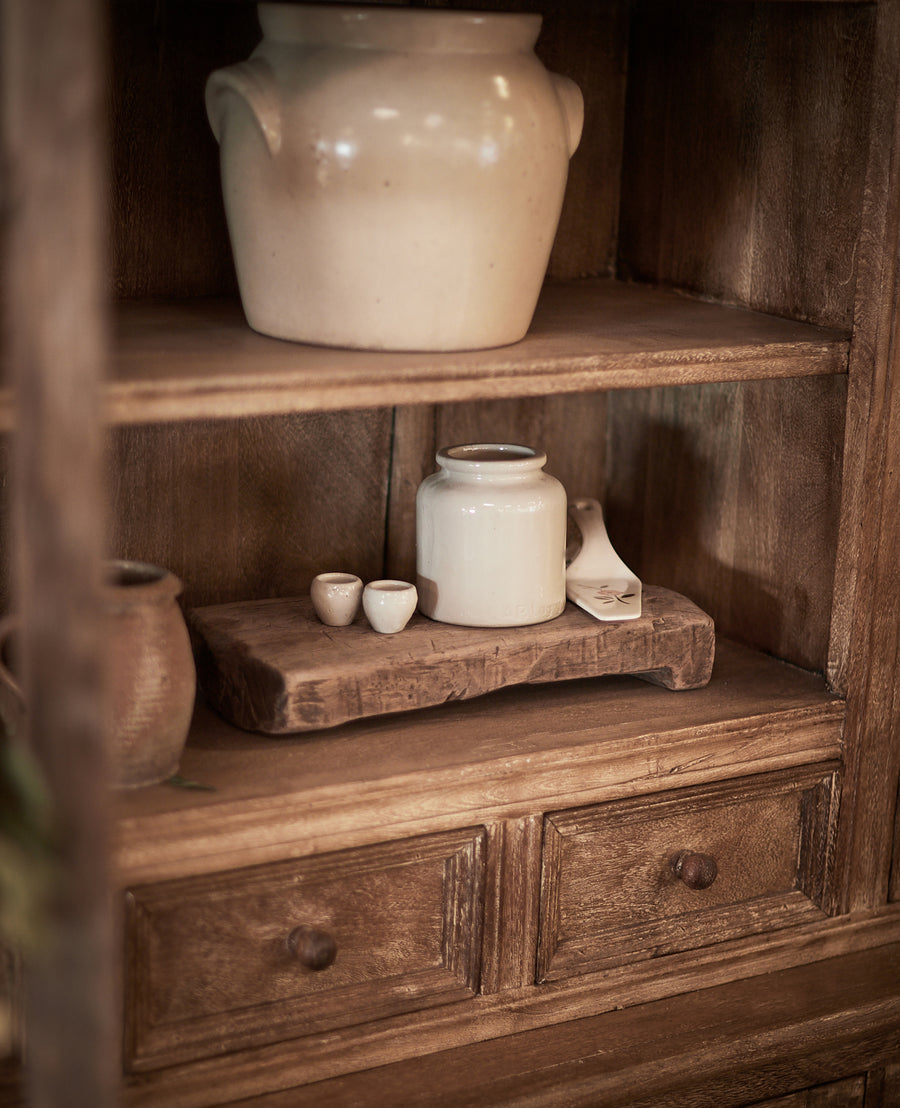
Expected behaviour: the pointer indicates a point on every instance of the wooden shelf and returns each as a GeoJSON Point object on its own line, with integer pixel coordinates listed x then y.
{"type": "Point", "coordinates": [198, 359]}
{"type": "Point", "coordinates": [503, 755]}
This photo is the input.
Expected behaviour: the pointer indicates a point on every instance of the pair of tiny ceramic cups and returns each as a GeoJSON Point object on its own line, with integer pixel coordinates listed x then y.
{"type": "Point", "coordinates": [388, 604]}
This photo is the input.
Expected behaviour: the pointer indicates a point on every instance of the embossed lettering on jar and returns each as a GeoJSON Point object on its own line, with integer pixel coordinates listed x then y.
{"type": "Point", "coordinates": [393, 178]}
{"type": "Point", "coordinates": [491, 538]}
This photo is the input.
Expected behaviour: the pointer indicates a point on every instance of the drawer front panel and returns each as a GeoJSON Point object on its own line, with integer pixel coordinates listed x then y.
{"type": "Point", "coordinates": [639, 878]}
{"type": "Point", "coordinates": [278, 951]}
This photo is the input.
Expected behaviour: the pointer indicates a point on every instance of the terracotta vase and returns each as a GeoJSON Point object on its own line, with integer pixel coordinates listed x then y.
{"type": "Point", "coordinates": [491, 538]}
{"type": "Point", "coordinates": [393, 177]}
{"type": "Point", "coordinates": [151, 679]}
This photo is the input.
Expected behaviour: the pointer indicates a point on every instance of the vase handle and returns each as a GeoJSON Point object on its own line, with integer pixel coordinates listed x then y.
{"type": "Point", "coordinates": [254, 83]}
{"type": "Point", "coordinates": [572, 103]}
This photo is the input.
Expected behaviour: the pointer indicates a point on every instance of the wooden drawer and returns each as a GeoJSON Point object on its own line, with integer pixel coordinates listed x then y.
{"type": "Point", "coordinates": [616, 878]}
{"type": "Point", "coordinates": [220, 962]}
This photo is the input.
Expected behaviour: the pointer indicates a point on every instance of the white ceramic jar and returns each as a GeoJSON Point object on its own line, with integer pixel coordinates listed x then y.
{"type": "Point", "coordinates": [491, 538]}
{"type": "Point", "coordinates": [393, 177]}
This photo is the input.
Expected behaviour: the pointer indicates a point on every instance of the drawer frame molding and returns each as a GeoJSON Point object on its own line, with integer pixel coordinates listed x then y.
{"type": "Point", "coordinates": [610, 893]}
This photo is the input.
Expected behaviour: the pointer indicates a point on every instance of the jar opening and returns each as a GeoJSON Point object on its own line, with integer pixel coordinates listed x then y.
{"type": "Point", "coordinates": [126, 583]}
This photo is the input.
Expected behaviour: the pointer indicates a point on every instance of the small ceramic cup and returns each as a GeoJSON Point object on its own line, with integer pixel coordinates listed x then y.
{"type": "Point", "coordinates": [335, 597]}
{"type": "Point", "coordinates": [389, 604]}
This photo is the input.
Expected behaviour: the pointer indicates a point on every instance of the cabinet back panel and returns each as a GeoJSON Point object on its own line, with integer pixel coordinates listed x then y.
{"type": "Point", "coordinates": [168, 222]}
{"type": "Point", "coordinates": [587, 41]}
{"type": "Point", "coordinates": [730, 494]}
{"type": "Point", "coordinates": [570, 429]}
{"type": "Point", "coordinates": [730, 187]}
{"type": "Point", "coordinates": [253, 508]}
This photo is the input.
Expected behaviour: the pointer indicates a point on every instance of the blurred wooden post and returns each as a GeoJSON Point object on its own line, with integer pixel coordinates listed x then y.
{"type": "Point", "coordinates": [53, 293]}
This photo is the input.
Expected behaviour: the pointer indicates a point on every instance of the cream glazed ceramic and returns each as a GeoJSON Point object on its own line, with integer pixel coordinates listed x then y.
{"type": "Point", "coordinates": [393, 177]}
{"type": "Point", "coordinates": [336, 597]}
{"type": "Point", "coordinates": [389, 605]}
{"type": "Point", "coordinates": [597, 579]}
{"type": "Point", "coordinates": [491, 538]}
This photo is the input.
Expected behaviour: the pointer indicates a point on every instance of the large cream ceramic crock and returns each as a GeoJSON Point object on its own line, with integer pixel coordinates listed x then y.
{"type": "Point", "coordinates": [393, 178]}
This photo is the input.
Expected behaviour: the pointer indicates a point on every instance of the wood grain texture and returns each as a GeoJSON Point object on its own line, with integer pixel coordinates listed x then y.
{"type": "Point", "coordinates": [865, 645]}
{"type": "Point", "coordinates": [252, 508]}
{"type": "Point", "coordinates": [169, 236]}
{"type": "Point", "coordinates": [883, 1089]}
{"type": "Point", "coordinates": [849, 1093]}
{"type": "Point", "coordinates": [731, 494]}
{"type": "Point", "coordinates": [211, 968]}
{"type": "Point", "coordinates": [870, 353]}
{"type": "Point", "coordinates": [505, 756]}
{"type": "Point", "coordinates": [798, 1026]}
{"type": "Point", "coordinates": [894, 893]}
{"type": "Point", "coordinates": [54, 334]}
{"type": "Point", "coordinates": [735, 193]}
{"type": "Point", "coordinates": [413, 448]}
{"type": "Point", "coordinates": [609, 892]}
{"type": "Point", "coordinates": [198, 359]}
{"type": "Point", "coordinates": [271, 666]}
{"type": "Point", "coordinates": [588, 43]}
{"type": "Point", "coordinates": [512, 904]}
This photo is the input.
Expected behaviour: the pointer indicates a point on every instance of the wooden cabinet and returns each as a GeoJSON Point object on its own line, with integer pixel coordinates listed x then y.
{"type": "Point", "coordinates": [714, 357]}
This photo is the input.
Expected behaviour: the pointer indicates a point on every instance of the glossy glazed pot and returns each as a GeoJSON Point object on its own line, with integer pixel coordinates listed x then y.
{"type": "Point", "coordinates": [393, 177]}
{"type": "Point", "coordinates": [151, 679]}
{"type": "Point", "coordinates": [389, 605]}
{"type": "Point", "coordinates": [491, 538]}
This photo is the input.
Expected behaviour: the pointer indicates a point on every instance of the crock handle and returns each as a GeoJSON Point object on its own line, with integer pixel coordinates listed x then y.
{"type": "Point", "coordinates": [12, 699]}
{"type": "Point", "coordinates": [572, 103]}
{"type": "Point", "coordinates": [254, 83]}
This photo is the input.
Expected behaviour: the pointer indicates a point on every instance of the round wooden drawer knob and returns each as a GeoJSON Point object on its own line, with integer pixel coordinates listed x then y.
{"type": "Point", "coordinates": [697, 871]}
{"type": "Point", "coordinates": [313, 949]}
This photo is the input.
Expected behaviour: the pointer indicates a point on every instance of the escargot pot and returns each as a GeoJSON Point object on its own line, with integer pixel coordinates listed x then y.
{"type": "Point", "coordinates": [393, 178]}
{"type": "Point", "coordinates": [491, 537]}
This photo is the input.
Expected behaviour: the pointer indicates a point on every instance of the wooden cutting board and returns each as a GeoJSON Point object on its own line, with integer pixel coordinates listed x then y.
{"type": "Point", "coordinates": [271, 666]}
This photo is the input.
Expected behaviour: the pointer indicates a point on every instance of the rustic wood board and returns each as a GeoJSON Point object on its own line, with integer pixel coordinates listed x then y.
{"type": "Point", "coordinates": [174, 361]}
{"type": "Point", "coordinates": [271, 666]}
